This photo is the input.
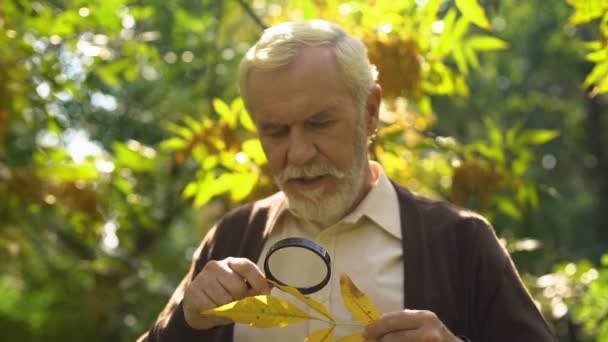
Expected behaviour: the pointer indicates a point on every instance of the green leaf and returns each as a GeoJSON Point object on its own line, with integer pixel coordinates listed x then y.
{"type": "Point", "coordinates": [533, 199]}
{"type": "Point", "coordinates": [226, 182]}
{"type": "Point", "coordinates": [228, 160]}
{"type": "Point", "coordinates": [460, 86]}
{"type": "Point", "coordinates": [605, 260]}
{"type": "Point", "coordinates": [64, 23]}
{"type": "Point", "coordinates": [598, 72]}
{"type": "Point", "coordinates": [471, 10]}
{"type": "Point", "coordinates": [445, 40]}
{"type": "Point", "coordinates": [460, 59]}
{"type": "Point", "coordinates": [425, 104]}
{"type": "Point", "coordinates": [486, 43]}
{"type": "Point", "coordinates": [592, 45]}
{"type": "Point", "coordinates": [602, 86]}
{"type": "Point", "coordinates": [442, 80]}
{"type": "Point", "coordinates": [108, 76]}
{"type": "Point", "coordinates": [471, 57]}
{"type": "Point", "coordinates": [172, 144]}
{"type": "Point", "coordinates": [204, 193]}
{"type": "Point", "coordinates": [461, 27]}
{"type": "Point", "coordinates": [493, 132]}
{"type": "Point", "coordinates": [243, 185]}
{"type": "Point", "coordinates": [431, 8]}
{"type": "Point", "coordinates": [209, 162]}
{"type": "Point", "coordinates": [226, 115]}
{"type": "Point", "coordinates": [492, 153]}
{"type": "Point", "coordinates": [309, 9]}
{"type": "Point", "coordinates": [193, 124]}
{"type": "Point", "coordinates": [597, 56]}
{"type": "Point", "coordinates": [520, 165]}
{"type": "Point", "coordinates": [132, 159]}
{"type": "Point", "coordinates": [53, 126]}
{"type": "Point", "coordinates": [237, 105]}
{"type": "Point", "coordinates": [512, 133]}
{"type": "Point", "coordinates": [183, 132]}
{"type": "Point", "coordinates": [508, 207]}
{"type": "Point", "coordinates": [123, 185]}
{"type": "Point", "coordinates": [253, 149]}
{"type": "Point", "coordinates": [586, 10]}
{"type": "Point", "coordinates": [190, 190]}
{"type": "Point", "coordinates": [537, 137]}
{"type": "Point", "coordinates": [246, 121]}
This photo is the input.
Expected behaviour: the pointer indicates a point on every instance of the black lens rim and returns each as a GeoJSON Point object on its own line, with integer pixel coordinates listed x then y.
{"type": "Point", "coordinates": [301, 243]}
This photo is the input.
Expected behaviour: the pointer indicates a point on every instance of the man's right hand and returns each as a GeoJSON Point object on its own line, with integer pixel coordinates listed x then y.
{"type": "Point", "coordinates": [218, 283]}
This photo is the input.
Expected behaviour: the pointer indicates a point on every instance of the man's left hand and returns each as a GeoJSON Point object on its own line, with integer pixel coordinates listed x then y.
{"type": "Point", "coordinates": [409, 325]}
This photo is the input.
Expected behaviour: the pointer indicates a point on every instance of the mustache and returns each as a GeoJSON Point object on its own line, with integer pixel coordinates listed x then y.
{"type": "Point", "coordinates": [310, 171]}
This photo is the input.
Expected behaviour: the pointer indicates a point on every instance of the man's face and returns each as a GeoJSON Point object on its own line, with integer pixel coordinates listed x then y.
{"type": "Point", "coordinates": [313, 133]}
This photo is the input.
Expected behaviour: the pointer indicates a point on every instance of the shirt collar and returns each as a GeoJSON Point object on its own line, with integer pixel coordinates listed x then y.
{"type": "Point", "coordinates": [379, 205]}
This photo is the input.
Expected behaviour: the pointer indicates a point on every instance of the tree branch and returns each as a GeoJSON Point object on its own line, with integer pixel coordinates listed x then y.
{"type": "Point", "coordinates": [252, 14]}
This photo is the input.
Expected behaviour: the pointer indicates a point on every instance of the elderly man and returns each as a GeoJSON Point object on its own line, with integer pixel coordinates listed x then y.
{"type": "Point", "coordinates": [436, 271]}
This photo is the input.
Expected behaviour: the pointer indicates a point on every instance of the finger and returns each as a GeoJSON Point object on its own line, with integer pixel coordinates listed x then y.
{"type": "Point", "coordinates": [220, 283]}
{"type": "Point", "coordinates": [234, 284]}
{"type": "Point", "coordinates": [253, 292]}
{"type": "Point", "coordinates": [216, 292]}
{"type": "Point", "coordinates": [414, 335]}
{"type": "Point", "coordinates": [251, 273]}
{"type": "Point", "coordinates": [393, 321]}
{"type": "Point", "coordinates": [196, 300]}
{"type": "Point", "coordinates": [194, 304]}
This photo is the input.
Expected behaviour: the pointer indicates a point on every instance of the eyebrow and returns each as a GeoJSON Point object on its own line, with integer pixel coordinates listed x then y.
{"type": "Point", "coordinates": [266, 125]}
{"type": "Point", "coordinates": [321, 115]}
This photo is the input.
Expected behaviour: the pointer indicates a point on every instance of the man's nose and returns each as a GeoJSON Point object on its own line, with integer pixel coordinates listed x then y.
{"type": "Point", "coordinates": [302, 149]}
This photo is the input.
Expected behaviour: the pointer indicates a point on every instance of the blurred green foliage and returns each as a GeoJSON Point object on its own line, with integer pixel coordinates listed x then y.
{"type": "Point", "coordinates": [123, 139]}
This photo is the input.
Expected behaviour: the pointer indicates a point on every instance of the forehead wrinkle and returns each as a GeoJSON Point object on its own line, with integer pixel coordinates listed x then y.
{"type": "Point", "coordinates": [274, 116]}
{"type": "Point", "coordinates": [309, 84]}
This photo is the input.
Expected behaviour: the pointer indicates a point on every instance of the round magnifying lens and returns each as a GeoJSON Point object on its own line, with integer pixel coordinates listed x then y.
{"type": "Point", "coordinates": [312, 270]}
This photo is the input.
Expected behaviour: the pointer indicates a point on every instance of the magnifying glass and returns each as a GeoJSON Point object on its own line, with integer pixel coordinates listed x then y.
{"type": "Point", "coordinates": [312, 270]}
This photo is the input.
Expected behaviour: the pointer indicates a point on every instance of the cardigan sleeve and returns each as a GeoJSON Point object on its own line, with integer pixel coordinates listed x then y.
{"type": "Point", "coordinates": [238, 234]}
{"type": "Point", "coordinates": [505, 310]}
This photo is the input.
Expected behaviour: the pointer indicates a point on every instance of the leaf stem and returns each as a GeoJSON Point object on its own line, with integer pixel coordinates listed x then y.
{"type": "Point", "coordinates": [334, 323]}
{"type": "Point", "coordinates": [350, 323]}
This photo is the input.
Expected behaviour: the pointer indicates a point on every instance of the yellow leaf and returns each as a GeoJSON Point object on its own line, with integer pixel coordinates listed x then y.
{"type": "Point", "coordinates": [246, 182]}
{"type": "Point", "coordinates": [474, 12]}
{"type": "Point", "coordinates": [318, 307]}
{"type": "Point", "coordinates": [321, 335]}
{"type": "Point", "coordinates": [358, 304]}
{"type": "Point", "coordinates": [356, 337]}
{"type": "Point", "coordinates": [261, 312]}
{"type": "Point", "coordinates": [253, 149]}
{"type": "Point", "coordinates": [586, 10]}
{"type": "Point", "coordinates": [225, 113]}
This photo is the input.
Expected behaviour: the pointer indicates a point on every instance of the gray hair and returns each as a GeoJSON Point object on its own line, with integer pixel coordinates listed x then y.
{"type": "Point", "coordinates": [280, 44]}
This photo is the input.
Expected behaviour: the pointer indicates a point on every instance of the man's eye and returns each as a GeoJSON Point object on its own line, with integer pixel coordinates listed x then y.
{"type": "Point", "coordinates": [276, 132]}
{"type": "Point", "coordinates": [318, 124]}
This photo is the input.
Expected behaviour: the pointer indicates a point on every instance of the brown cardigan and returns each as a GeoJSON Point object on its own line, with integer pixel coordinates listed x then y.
{"type": "Point", "coordinates": [454, 266]}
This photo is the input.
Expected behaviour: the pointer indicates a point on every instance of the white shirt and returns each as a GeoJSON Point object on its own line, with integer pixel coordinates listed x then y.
{"type": "Point", "coordinates": [366, 245]}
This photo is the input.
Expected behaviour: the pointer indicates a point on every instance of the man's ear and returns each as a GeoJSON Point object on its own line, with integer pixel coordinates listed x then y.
{"type": "Point", "coordinates": [372, 109]}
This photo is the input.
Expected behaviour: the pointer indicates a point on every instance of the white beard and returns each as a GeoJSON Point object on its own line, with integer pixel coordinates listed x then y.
{"type": "Point", "coordinates": [322, 208]}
